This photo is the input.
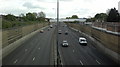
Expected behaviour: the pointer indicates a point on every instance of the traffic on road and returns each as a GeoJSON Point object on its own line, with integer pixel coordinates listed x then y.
{"type": "Point", "coordinates": [73, 48]}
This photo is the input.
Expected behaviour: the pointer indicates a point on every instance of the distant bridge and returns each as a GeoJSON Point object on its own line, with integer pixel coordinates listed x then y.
{"type": "Point", "coordinates": [68, 20]}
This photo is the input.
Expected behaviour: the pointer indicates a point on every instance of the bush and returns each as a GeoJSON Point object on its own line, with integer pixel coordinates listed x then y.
{"type": "Point", "coordinates": [6, 24]}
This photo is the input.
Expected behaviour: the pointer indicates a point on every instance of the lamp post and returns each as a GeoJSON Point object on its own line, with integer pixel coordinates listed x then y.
{"type": "Point", "coordinates": [57, 31]}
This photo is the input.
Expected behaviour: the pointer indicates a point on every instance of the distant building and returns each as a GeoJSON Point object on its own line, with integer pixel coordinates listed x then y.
{"type": "Point", "coordinates": [68, 20]}
{"type": "Point", "coordinates": [119, 6]}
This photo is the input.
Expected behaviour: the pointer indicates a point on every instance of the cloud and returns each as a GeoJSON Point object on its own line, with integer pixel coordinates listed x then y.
{"type": "Point", "coordinates": [29, 5]}
{"type": "Point", "coordinates": [66, 0]}
{"type": "Point", "coordinates": [54, 1]}
{"type": "Point", "coordinates": [15, 11]}
{"type": "Point", "coordinates": [82, 8]}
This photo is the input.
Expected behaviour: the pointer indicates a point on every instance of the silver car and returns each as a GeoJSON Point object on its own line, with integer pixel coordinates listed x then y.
{"type": "Point", "coordinates": [65, 43]}
{"type": "Point", "coordinates": [60, 32]}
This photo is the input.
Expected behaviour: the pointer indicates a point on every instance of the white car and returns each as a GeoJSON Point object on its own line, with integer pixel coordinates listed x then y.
{"type": "Point", "coordinates": [82, 41]}
{"type": "Point", "coordinates": [41, 31]}
{"type": "Point", "coordinates": [65, 43]}
{"type": "Point", "coordinates": [51, 26]}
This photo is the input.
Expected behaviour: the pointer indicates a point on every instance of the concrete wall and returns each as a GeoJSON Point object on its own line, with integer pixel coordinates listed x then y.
{"type": "Point", "coordinates": [26, 32]}
{"type": "Point", "coordinates": [111, 26]}
{"type": "Point", "coordinates": [11, 35]}
{"type": "Point", "coordinates": [109, 42]}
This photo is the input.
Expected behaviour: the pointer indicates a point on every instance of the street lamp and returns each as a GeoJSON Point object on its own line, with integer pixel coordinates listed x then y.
{"type": "Point", "coordinates": [57, 31]}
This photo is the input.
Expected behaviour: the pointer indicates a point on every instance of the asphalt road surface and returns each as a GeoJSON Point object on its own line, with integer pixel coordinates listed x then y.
{"type": "Point", "coordinates": [35, 51]}
{"type": "Point", "coordinates": [76, 54]}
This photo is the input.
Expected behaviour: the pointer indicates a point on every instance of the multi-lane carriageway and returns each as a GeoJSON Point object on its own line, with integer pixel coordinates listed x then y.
{"type": "Point", "coordinates": [37, 50]}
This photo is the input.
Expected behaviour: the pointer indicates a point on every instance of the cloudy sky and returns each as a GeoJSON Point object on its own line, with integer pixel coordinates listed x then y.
{"type": "Point", "coordinates": [82, 8]}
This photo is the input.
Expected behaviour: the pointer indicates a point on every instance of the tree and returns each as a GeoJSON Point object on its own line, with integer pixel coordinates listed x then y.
{"type": "Point", "coordinates": [30, 17]}
{"type": "Point", "coordinates": [10, 17]}
{"type": "Point", "coordinates": [90, 20]}
{"type": "Point", "coordinates": [22, 17]}
{"type": "Point", "coordinates": [113, 15]}
{"type": "Point", "coordinates": [68, 17]}
{"type": "Point", "coordinates": [41, 14]}
{"type": "Point", "coordinates": [74, 17]}
{"type": "Point", "coordinates": [35, 14]}
{"type": "Point", "coordinates": [101, 17]}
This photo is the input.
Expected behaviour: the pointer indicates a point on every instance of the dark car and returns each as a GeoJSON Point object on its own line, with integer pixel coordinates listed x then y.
{"type": "Point", "coordinates": [66, 32]}
{"type": "Point", "coordinates": [60, 32]}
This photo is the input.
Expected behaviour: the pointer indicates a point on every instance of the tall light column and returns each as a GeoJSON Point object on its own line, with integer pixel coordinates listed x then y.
{"type": "Point", "coordinates": [119, 6]}
{"type": "Point", "coordinates": [57, 11]}
{"type": "Point", "coordinates": [57, 31]}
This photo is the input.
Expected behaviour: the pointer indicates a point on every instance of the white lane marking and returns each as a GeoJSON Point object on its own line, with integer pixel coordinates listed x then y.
{"type": "Point", "coordinates": [81, 62]}
{"type": "Point", "coordinates": [61, 63]}
{"type": "Point", "coordinates": [73, 51]}
{"type": "Point", "coordinates": [39, 48]}
{"type": "Point", "coordinates": [26, 50]}
{"type": "Point", "coordinates": [33, 58]}
{"type": "Point", "coordinates": [98, 62]}
{"type": "Point", "coordinates": [15, 61]}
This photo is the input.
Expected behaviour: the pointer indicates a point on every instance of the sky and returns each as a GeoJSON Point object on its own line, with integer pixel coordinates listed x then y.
{"type": "Point", "coordinates": [119, 6]}
{"type": "Point", "coordinates": [67, 8]}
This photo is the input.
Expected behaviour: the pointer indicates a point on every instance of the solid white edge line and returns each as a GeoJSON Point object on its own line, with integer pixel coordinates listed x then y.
{"type": "Point", "coordinates": [62, 64]}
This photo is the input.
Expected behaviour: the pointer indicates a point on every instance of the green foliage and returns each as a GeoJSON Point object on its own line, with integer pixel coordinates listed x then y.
{"type": "Point", "coordinates": [113, 15]}
{"type": "Point", "coordinates": [6, 24]}
{"type": "Point", "coordinates": [90, 20]}
{"type": "Point", "coordinates": [10, 20]}
{"type": "Point", "coordinates": [68, 17]}
{"type": "Point", "coordinates": [10, 17]}
{"type": "Point", "coordinates": [10, 24]}
{"type": "Point", "coordinates": [41, 15]}
{"type": "Point", "coordinates": [30, 17]}
{"type": "Point", "coordinates": [101, 17]}
{"type": "Point", "coordinates": [74, 17]}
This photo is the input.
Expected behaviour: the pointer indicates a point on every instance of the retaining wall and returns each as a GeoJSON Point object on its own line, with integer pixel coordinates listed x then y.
{"type": "Point", "coordinates": [109, 42]}
{"type": "Point", "coordinates": [13, 38]}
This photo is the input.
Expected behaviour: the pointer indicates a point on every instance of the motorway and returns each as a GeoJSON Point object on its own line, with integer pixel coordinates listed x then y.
{"type": "Point", "coordinates": [76, 54]}
{"type": "Point", "coordinates": [37, 50]}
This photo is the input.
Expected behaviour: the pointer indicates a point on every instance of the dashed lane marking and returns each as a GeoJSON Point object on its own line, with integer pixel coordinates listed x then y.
{"type": "Point", "coordinates": [73, 51]}
{"type": "Point", "coordinates": [26, 50]}
{"type": "Point", "coordinates": [33, 58]}
{"type": "Point", "coordinates": [81, 62]}
{"type": "Point", "coordinates": [98, 62]}
{"type": "Point", "coordinates": [15, 61]}
{"type": "Point", "coordinates": [39, 48]}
